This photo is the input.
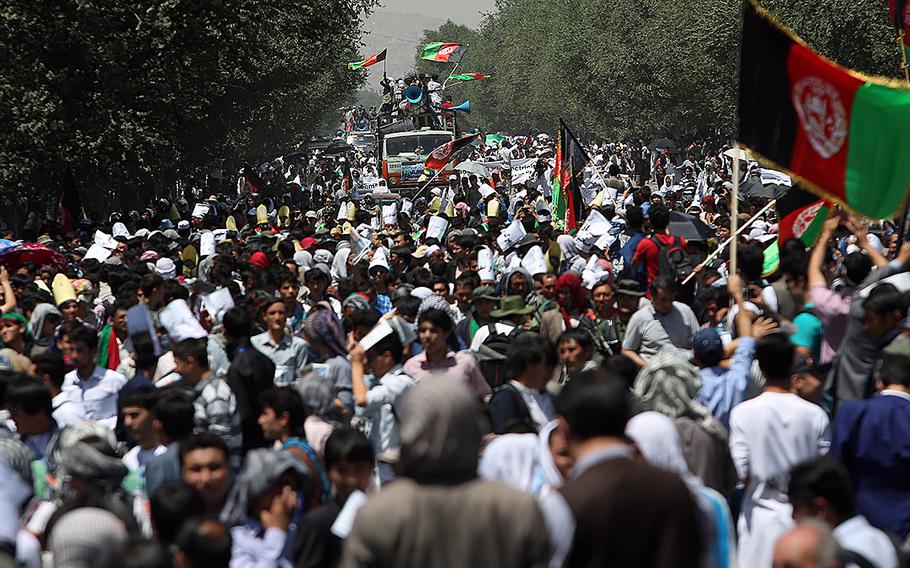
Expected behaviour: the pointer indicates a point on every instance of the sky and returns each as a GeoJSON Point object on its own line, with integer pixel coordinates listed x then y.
{"type": "Point", "coordinates": [467, 12]}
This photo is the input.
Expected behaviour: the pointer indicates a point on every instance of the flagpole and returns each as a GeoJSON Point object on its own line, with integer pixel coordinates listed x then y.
{"type": "Point", "coordinates": [723, 245]}
{"type": "Point", "coordinates": [734, 211]}
{"type": "Point", "coordinates": [904, 65]}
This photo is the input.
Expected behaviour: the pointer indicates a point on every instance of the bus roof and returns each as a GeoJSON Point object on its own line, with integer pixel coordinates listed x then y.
{"type": "Point", "coordinates": [417, 133]}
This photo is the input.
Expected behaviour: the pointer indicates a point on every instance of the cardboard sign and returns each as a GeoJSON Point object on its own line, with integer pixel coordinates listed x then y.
{"type": "Point", "coordinates": [436, 228]}
{"type": "Point", "coordinates": [511, 235]}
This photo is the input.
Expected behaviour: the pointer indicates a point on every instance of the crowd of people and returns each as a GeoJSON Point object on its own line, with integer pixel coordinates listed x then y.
{"type": "Point", "coordinates": [298, 372]}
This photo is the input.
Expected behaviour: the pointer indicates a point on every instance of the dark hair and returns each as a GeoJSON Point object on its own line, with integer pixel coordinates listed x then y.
{"type": "Point", "coordinates": [237, 323]}
{"type": "Point", "coordinates": [895, 369]}
{"type": "Point", "coordinates": [582, 336]}
{"type": "Point", "coordinates": [195, 348]}
{"type": "Point", "coordinates": [172, 505]}
{"type": "Point", "coordinates": [347, 444]}
{"type": "Point", "coordinates": [286, 400]}
{"type": "Point", "coordinates": [50, 363]}
{"type": "Point", "coordinates": [775, 357]}
{"type": "Point", "coordinates": [175, 412]}
{"type": "Point", "coordinates": [659, 216]}
{"type": "Point", "coordinates": [31, 394]}
{"type": "Point", "coordinates": [408, 306]}
{"type": "Point", "coordinates": [144, 397]}
{"type": "Point", "coordinates": [438, 318]}
{"type": "Point", "coordinates": [205, 542]}
{"type": "Point", "coordinates": [857, 266]}
{"type": "Point", "coordinates": [84, 334]}
{"type": "Point", "coordinates": [884, 299]}
{"type": "Point", "coordinates": [468, 278]}
{"type": "Point", "coordinates": [529, 349]}
{"type": "Point", "coordinates": [315, 274]}
{"type": "Point", "coordinates": [594, 404]}
{"type": "Point", "coordinates": [138, 553]}
{"type": "Point", "coordinates": [825, 478]}
{"type": "Point", "coordinates": [623, 367]}
{"type": "Point", "coordinates": [635, 217]}
{"type": "Point", "coordinates": [751, 261]}
{"type": "Point", "coordinates": [663, 282]}
{"type": "Point", "coordinates": [794, 260]}
{"type": "Point", "coordinates": [365, 318]}
{"type": "Point", "coordinates": [201, 441]}
{"type": "Point", "coordinates": [391, 344]}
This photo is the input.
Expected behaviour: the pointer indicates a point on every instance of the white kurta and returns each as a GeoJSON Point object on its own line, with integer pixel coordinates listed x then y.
{"type": "Point", "coordinates": [769, 435]}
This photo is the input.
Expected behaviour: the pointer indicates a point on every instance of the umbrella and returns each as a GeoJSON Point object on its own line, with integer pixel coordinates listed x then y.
{"type": "Point", "coordinates": [474, 168]}
{"type": "Point", "coordinates": [663, 144]}
{"type": "Point", "coordinates": [6, 245]}
{"type": "Point", "coordinates": [34, 253]}
{"type": "Point", "coordinates": [689, 227]}
{"type": "Point", "coordinates": [338, 148]}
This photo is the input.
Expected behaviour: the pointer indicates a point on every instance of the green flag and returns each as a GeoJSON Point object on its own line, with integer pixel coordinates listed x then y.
{"type": "Point", "coordinates": [468, 77]}
{"type": "Point", "coordinates": [371, 60]}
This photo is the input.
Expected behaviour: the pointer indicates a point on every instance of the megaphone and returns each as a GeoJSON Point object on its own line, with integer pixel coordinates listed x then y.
{"type": "Point", "coordinates": [464, 107]}
{"type": "Point", "coordinates": [413, 94]}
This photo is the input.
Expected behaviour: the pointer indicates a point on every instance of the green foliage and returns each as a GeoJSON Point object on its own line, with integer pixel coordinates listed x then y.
{"type": "Point", "coordinates": [136, 96]}
{"type": "Point", "coordinates": [643, 68]}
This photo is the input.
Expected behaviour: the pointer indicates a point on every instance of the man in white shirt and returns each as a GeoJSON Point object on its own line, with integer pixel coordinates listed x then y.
{"type": "Point", "coordinates": [821, 489]}
{"type": "Point", "coordinates": [93, 391]}
{"type": "Point", "coordinates": [768, 436]}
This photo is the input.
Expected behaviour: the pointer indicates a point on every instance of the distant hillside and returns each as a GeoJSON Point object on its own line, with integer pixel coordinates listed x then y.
{"type": "Point", "coordinates": [400, 33]}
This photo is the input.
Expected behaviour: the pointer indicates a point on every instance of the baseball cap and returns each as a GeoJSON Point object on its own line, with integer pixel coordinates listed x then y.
{"type": "Point", "coordinates": [707, 346]}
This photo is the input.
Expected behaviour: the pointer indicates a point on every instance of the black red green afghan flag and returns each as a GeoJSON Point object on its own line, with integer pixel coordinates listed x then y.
{"type": "Point", "coordinates": [445, 51]}
{"type": "Point", "coordinates": [371, 60]}
{"type": "Point", "coordinates": [568, 174]}
{"type": "Point", "coordinates": [801, 214]}
{"type": "Point", "coordinates": [443, 154]}
{"type": "Point", "coordinates": [845, 137]}
{"type": "Point", "coordinates": [468, 77]}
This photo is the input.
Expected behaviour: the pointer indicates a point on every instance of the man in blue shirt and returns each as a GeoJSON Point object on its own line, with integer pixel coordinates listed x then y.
{"type": "Point", "coordinates": [722, 389]}
{"type": "Point", "coordinates": [872, 438]}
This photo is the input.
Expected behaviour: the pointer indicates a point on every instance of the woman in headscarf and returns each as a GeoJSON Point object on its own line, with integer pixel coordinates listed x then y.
{"type": "Point", "coordinates": [669, 384]}
{"type": "Point", "coordinates": [571, 258]}
{"type": "Point", "coordinates": [322, 330]}
{"type": "Point", "coordinates": [437, 513]}
{"type": "Point", "coordinates": [44, 320]}
{"type": "Point", "coordinates": [657, 440]}
{"type": "Point", "coordinates": [263, 507]}
{"type": "Point", "coordinates": [532, 463]}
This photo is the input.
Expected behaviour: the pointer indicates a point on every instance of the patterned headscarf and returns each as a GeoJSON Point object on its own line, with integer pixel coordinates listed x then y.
{"type": "Point", "coordinates": [435, 302]}
{"type": "Point", "coordinates": [261, 469]}
{"type": "Point", "coordinates": [356, 301]}
{"type": "Point", "coordinates": [669, 384]}
{"type": "Point", "coordinates": [322, 323]}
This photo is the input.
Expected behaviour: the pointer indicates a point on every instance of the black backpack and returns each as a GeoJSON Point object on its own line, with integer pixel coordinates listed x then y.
{"type": "Point", "coordinates": [493, 356]}
{"type": "Point", "coordinates": [672, 259]}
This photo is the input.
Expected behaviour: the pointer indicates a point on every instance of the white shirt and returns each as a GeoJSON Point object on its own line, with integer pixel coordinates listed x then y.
{"type": "Point", "coordinates": [136, 458]}
{"type": "Point", "coordinates": [857, 535]}
{"type": "Point", "coordinates": [95, 398]}
{"type": "Point", "coordinates": [65, 413]}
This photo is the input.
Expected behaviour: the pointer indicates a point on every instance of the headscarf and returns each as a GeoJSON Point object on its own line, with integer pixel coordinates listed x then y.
{"type": "Point", "coordinates": [441, 429]}
{"type": "Point", "coordinates": [261, 469]}
{"type": "Point", "coordinates": [340, 263]}
{"type": "Point", "coordinates": [39, 314]}
{"type": "Point", "coordinates": [514, 460]}
{"type": "Point", "coordinates": [166, 269]}
{"type": "Point", "coordinates": [568, 247]}
{"type": "Point", "coordinates": [434, 302]}
{"type": "Point", "coordinates": [356, 301]}
{"type": "Point", "coordinates": [18, 457]}
{"type": "Point", "coordinates": [85, 462]}
{"type": "Point", "coordinates": [322, 323]}
{"type": "Point", "coordinates": [576, 295]}
{"type": "Point", "coordinates": [318, 394]}
{"type": "Point", "coordinates": [548, 467]}
{"type": "Point", "coordinates": [21, 320]}
{"type": "Point", "coordinates": [658, 440]}
{"type": "Point", "coordinates": [259, 260]}
{"type": "Point", "coordinates": [669, 384]}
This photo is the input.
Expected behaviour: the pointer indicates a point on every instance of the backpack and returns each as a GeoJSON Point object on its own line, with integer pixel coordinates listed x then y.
{"type": "Point", "coordinates": [493, 356]}
{"type": "Point", "coordinates": [672, 259]}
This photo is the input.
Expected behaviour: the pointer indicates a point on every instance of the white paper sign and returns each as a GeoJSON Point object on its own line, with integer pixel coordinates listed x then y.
{"type": "Point", "coordinates": [207, 244]}
{"type": "Point", "coordinates": [534, 261]}
{"type": "Point", "coordinates": [200, 210]}
{"type": "Point", "coordinates": [595, 225]}
{"type": "Point", "coordinates": [179, 322]}
{"type": "Point", "coordinates": [139, 321]}
{"type": "Point", "coordinates": [604, 241]}
{"type": "Point", "coordinates": [511, 235]}
{"type": "Point", "coordinates": [342, 212]}
{"type": "Point", "coordinates": [105, 240]}
{"type": "Point", "coordinates": [407, 206]}
{"type": "Point", "coordinates": [436, 228]}
{"type": "Point", "coordinates": [97, 252]}
{"type": "Point", "coordinates": [345, 519]}
{"type": "Point", "coordinates": [377, 334]}
{"type": "Point", "coordinates": [390, 214]}
{"type": "Point", "coordinates": [484, 259]}
{"type": "Point", "coordinates": [374, 223]}
{"type": "Point", "coordinates": [218, 302]}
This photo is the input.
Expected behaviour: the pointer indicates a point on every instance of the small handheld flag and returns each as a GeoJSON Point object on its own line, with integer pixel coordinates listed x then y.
{"type": "Point", "coordinates": [371, 60]}
{"type": "Point", "coordinates": [468, 77]}
{"type": "Point", "coordinates": [443, 51]}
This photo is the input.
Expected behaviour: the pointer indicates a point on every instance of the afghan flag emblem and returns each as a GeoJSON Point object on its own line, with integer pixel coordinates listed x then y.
{"type": "Point", "coordinates": [468, 77]}
{"type": "Point", "coordinates": [442, 155]}
{"type": "Point", "coordinates": [371, 60]}
{"type": "Point", "coordinates": [443, 51]}
{"type": "Point", "coordinates": [843, 136]}
{"type": "Point", "coordinates": [801, 215]}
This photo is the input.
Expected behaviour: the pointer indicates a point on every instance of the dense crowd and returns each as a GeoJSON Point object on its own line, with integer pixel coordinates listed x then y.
{"type": "Point", "coordinates": [306, 369]}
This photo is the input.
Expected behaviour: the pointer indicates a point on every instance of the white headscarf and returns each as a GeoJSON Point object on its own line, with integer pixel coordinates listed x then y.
{"type": "Point", "coordinates": [658, 440]}
{"type": "Point", "coordinates": [514, 460]}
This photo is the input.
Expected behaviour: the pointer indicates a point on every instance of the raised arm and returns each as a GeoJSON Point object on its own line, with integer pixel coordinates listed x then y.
{"type": "Point", "coordinates": [817, 258]}
{"type": "Point", "coordinates": [9, 297]}
{"type": "Point", "coordinates": [859, 230]}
